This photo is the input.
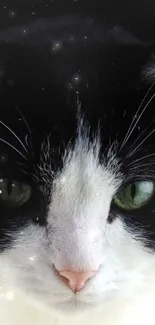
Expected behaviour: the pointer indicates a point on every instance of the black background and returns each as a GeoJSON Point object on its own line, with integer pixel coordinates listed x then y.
{"type": "Point", "coordinates": [138, 16]}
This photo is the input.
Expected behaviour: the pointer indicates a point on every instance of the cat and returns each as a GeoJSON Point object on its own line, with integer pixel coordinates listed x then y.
{"type": "Point", "coordinates": [77, 175]}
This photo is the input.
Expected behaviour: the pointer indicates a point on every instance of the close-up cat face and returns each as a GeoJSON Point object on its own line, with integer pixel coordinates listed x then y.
{"type": "Point", "coordinates": [77, 166]}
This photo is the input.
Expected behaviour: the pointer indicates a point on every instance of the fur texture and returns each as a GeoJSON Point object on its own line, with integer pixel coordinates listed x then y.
{"type": "Point", "coordinates": [76, 131]}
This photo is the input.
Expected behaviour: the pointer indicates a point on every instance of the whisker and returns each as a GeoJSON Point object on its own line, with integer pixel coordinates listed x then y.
{"type": "Point", "coordinates": [143, 165]}
{"type": "Point", "coordinates": [143, 132]}
{"type": "Point", "coordinates": [27, 126]}
{"type": "Point", "coordinates": [26, 140]}
{"type": "Point", "coordinates": [15, 135]}
{"type": "Point", "coordinates": [10, 145]}
{"type": "Point", "coordinates": [23, 119]}
{"type": "Point", "coordinates": [134, 150]}
{"type": "Point", "coordinates": [144, 157]}
{"type": "Point", "coordinates": [24, 172]}
{"type": "Point", "coordinates": [131, 129]}
{"type": "Point", "coordinates": [144, 109]}
{"type": "Point", "coordinates": [21, 164]}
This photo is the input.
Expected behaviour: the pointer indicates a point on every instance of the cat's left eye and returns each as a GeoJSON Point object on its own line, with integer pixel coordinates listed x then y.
{"type": "Point", "coordinates": [135, 195]}
{"type": "Point", "coordinates": [14, 193]}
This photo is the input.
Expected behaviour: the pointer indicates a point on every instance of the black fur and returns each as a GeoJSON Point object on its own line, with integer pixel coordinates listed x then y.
{"type": "Point", "coordinates": [40, 87]}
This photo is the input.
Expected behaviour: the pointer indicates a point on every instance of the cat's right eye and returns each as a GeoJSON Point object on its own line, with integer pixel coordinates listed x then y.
{"type": "Point", "coordinates": [14, 193]}
{"type": "Point", "coordinates": [135, 195]}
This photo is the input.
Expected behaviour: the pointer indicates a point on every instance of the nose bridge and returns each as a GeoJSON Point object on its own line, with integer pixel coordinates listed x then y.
{"type": "Point", "coordinates": [80, 236]}
{"type": "Point", "coordinates": [78, 249]}
{"type": "Point", "coordinates": [76, 242]}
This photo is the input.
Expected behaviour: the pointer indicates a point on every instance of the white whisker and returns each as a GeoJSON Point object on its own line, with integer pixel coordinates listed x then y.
{"type": "Point", "coordinates": [143, 132]}
{"type": "Point", "coordinates": [24, 172]}
{"type": "Point", "coordinates": [134, 150]}
{"type": "Point", "coordinates": [10, 145]}
{"type": "Point", "coordinates": [20, 164]}
{"type": "Point", "coordinates": [27, 126]}
{"type": "Point", "coordinates": [26, 140]}
{"type": "Point", "coordinates": [23, 119]}
{"type": "Point", "coordinates": [142, 158]}
{"type": "Point", "coordinates": [143, 165]}
{"type": "Point", "coordinates": [15, 135]}
{"type": "Point", "coordinates": [131, 129]}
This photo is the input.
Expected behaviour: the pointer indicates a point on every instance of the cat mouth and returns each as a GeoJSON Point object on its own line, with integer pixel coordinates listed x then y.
{"type": "Point", "coordinates": [74, 305]}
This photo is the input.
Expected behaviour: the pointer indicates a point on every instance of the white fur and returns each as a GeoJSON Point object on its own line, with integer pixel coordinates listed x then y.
{"type": "Point", "coordinates": [79, 237]}
{"type": "Point", "coordinates": [149, 70]}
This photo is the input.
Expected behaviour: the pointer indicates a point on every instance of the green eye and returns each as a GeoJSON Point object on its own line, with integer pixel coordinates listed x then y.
{"type": "Point", "coordinates": [135, 195]}
{"type": "Point", "coordinates": [14, 193]}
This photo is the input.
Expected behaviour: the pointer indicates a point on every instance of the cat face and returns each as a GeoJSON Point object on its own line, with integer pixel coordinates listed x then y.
{"type": "Point", "coordinates": [73, 223]}
{"type": "Point", "coordinates": [77, 178]}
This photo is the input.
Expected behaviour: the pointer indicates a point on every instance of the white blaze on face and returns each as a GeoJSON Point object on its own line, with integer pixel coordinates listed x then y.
{"type": "Point", "coordinates": [79, 208]}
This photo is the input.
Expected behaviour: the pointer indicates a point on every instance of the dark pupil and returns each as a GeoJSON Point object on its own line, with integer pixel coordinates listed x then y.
{"type": "Point", "coordinates": [9, 187]}
{"type": "Point", "coordinates": [133, 191]}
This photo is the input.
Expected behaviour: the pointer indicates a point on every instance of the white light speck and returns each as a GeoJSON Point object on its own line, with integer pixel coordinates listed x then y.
{"type": "Point", "coordinates": [70, 86]}
{"type": "Point", "coordinates": [56, 46]}
{"type": "Point", "coordinates": [24, 31]}
{"type": "Point", "coordinates": [76, 79]}
{"type": "Point", "coordinates": [4, 7]}
{"type": "Point", "coordinates": [31, 258]}
{"type": "Point", "coordinates": [22, 233]}
{"type": "Point", "coordinates": [43, 88]}
{"type": "Point", "coordinates": [33, 13]}
{"type": "Point", "coordinates": [12, 14]}
{"type": "Point", "coordinates": [0, 191]}
{"type": "Point", "coordinates": [85, 37]}
{"type": "Point", "coordinates": [1, 180]}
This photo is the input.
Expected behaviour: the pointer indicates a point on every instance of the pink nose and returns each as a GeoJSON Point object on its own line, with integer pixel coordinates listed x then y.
{"type": "Point", "coordinates": [76, 280]}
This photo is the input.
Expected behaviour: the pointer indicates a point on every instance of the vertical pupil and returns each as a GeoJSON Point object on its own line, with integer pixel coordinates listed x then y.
{"type": "Point", "coordinates": [133, 191]}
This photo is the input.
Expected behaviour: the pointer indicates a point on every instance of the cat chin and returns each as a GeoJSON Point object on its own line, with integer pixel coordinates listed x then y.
{"type": "Point", "coordinates": [69, 306]}
{"type": "Point", "coordinates": [73, 307]}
